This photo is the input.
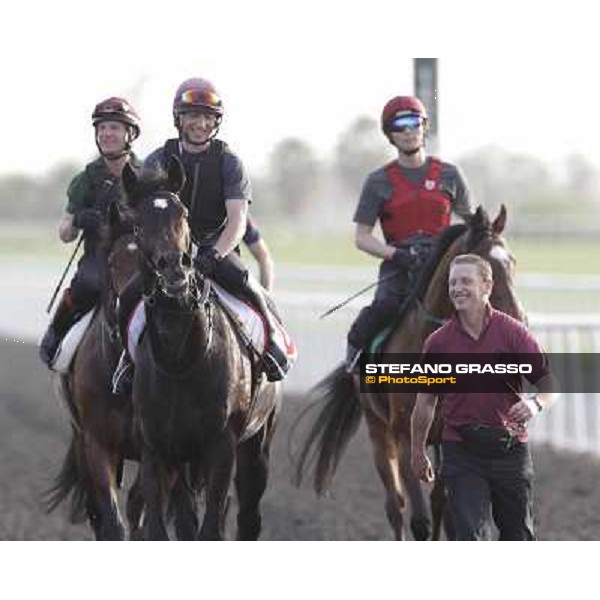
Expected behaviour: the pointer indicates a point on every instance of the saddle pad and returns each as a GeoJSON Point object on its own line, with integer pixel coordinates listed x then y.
{"type": "Point", "coordinates": [252, 325]}
{"type": "Point", "coordinates": [135, 328]}
{"type": "Point", "coordinates": [68, 347]}
{"type": "Point", "coordinates": [379, 340]}
{"type": "Point", "coordinates": [246, 318]}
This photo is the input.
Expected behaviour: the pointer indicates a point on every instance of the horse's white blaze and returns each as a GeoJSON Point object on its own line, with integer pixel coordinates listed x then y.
{"type": "Point", "coordinates": [501, 254]}
{"type": "Point", "coordinates": [132, 246]}
{"type": "Point", "coordinates": [161, 203]}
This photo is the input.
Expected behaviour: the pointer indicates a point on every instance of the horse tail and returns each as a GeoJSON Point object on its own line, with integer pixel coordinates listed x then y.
{"type": "Point", "coordinates": [69, 482]}
{"type": "Point", "coordinates": [334, 426]}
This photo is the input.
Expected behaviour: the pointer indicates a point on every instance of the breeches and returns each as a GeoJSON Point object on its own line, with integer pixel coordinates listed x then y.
{"type": "Point", "coordinates": [86, 284]}
{"type": "Point", "coordinates": [388, 301]}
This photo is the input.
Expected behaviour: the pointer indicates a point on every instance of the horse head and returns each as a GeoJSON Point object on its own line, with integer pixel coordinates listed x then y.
{"type": "Point", "coordinates": [161, 230]}
{"type": "Point", "coordinates": [484, 237]}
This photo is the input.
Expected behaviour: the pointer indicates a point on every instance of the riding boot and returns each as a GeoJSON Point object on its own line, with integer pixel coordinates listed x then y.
{"type": "Point", "coordinates": [122, 379]}
{"type": "Point", "coordinates": [275, 362]}
{"type": "Point", "coordinates": [64, 317]}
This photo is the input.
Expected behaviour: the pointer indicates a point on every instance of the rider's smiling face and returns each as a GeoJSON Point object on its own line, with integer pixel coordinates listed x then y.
{"type": "Point", "coordinates": [197, 126]}
{"type": "Point", "coordinates": [111, 136]}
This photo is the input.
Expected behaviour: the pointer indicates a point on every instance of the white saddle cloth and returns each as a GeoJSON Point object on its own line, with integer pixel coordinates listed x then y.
{"type": "Point", "coordinates": [66, 351]}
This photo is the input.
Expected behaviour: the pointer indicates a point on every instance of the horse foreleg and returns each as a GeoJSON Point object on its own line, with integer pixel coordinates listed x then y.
{"type": "Point", "coordinates": [220, 468]}
{"type": "Point", "coordinates": [420, 521]}
{"type": "Point", "coordinates": [385, 453]}
{"type": "Point", "coordinates": [154, 483]}
{"type": "Point", "coordinates": [103, 509]}
{"type": "Point", "coordinates": [251, 481]}
{"type": "Point", "coordinates": [183, 504]}
{"type": "Point", "coordinates": [135, 507]}
{"type": "Point", "coordinates": [439, 508]}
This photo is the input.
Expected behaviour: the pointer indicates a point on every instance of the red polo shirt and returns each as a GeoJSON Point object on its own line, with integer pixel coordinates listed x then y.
{"type": "Point", "coordinates": [501, 333]}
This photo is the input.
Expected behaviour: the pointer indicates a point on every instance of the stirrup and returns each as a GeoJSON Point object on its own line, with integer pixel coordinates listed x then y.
{"type": "Point", "coordinates": [122, 380]}
{"type": "Point", "coordinates": [352, 359]}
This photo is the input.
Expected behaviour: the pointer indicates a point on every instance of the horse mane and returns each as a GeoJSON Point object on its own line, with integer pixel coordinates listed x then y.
{"type": "Point", "coordinates": [446, 239]}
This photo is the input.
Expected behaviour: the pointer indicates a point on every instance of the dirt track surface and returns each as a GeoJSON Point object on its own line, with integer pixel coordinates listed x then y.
{"type": "Point", "coordinates": [33, 439]}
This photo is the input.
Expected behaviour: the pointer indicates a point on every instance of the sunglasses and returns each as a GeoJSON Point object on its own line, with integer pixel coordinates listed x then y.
{"type": "Point", "coordinates": [405, 123]}
{"type": "Point", "coordinates": [199, 98]}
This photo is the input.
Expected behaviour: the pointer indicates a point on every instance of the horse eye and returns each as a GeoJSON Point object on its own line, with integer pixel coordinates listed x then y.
{"type": "Point", "coordinates": [161, 263]}
{"type": "Point", "coordinates": [137, 230]}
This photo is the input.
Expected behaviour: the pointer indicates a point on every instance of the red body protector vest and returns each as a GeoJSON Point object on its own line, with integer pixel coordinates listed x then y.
{"type": "Point", "coordinates": [414, 208]}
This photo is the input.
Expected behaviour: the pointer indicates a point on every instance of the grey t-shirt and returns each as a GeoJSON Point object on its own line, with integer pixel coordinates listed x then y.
{"type": "Point", "coordinates": [378, 189]}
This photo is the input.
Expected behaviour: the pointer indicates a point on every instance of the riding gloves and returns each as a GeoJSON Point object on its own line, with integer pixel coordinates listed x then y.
{"type": "Point", "coordinates": [207, 260]}
{"type": "Point", "coordinates": [87, 219]}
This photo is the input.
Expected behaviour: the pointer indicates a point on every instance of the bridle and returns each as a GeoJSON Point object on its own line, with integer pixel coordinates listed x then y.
{"type": "Point", "coordinates": [197, 293]}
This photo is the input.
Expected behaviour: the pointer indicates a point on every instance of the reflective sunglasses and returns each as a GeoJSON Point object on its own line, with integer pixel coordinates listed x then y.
{"type": "Point", "coordinates": [200, 98]}
{"type": "Point", "coordinates": [405, 123]}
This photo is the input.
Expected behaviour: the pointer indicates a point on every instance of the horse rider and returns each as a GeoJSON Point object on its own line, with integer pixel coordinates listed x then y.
{"type": "Point", "coordinates": [217, 193]}
{"type": "Point", "coordinates": [412, 197]}
{"type": "Point", "coordinates": [486, 465]}
{"type": "Point", "coordinates": [116, 126]}
{"type": "Point", "coordinates": [259, 249]}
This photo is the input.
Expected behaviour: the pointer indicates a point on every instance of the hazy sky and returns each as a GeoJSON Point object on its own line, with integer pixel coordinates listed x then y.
{"type": "Point", "coordinates": [283, 69]}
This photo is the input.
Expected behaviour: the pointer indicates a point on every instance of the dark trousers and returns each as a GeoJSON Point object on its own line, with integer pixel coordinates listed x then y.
{"type": "Point", "coordinates": [86, 284]}
{"type": "Point", "coordinates": [480, 488]}
{"type": "Point", "coordinates": [388, 301]}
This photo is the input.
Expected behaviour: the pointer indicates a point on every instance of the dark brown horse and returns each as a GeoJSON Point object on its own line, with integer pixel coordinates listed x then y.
{"type": "Point", "coordinates": [101, 435]}
{"type": "Point", "coordinates": [388, 415]}
{"type": "Point", "coordinates": [198, 403]}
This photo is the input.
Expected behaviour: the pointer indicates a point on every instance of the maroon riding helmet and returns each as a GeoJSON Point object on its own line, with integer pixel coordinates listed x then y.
{"type": "Point", "coordinates": [194, 94]}
{"type": "Point", "coordinates": [117, 109]}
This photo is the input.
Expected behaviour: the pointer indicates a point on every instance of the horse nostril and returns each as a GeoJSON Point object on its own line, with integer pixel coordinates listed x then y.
{"type": "Point", "coordinates": [186, 260]}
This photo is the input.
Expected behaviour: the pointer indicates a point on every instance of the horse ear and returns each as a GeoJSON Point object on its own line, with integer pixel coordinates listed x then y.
{"type": "Point", "coordinates": [130, 183]}
{"type": "Point", "coordinates": [500, 221]}
{"type": "Point", "coordinates": [175, 174]}
{"type": "Point", "coordinates": [114, 217]}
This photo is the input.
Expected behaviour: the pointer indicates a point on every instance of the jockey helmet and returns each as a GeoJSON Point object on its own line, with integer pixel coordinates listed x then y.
{"type": "Point", "coordinates": [117, 109]}
{"type": "Point", "coordinates": [196, 93]}
{"type": "Point", "coordinates": [402, 105]}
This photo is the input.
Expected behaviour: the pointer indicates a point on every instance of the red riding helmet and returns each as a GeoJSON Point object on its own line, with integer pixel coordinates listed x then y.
{"type": "Point", "coordinates": [400, 104]}
{"type": "Point", "coordinates": [196, 93]}
{"type": "Point", "coordinates": [117, 109]}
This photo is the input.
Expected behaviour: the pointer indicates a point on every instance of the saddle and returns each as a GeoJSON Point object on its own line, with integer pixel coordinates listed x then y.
{"type": "Point", "coordinates": [247, 321]}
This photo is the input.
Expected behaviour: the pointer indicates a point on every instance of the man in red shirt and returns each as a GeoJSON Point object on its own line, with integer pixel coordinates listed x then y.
{"type": "Point", "coordinates": [486, 459]}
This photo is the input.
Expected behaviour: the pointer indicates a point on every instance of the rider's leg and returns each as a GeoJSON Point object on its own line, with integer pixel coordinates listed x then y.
{"type": "Point", "coordinates": [389, 298]}
{"type": "Point", "coordinates": [78, 299]}
{"type": "Point", "coordinates": [233, 276]}
{"type": "Point", "coordinates": [123, 376]}
{"type": "Point", "coordinates": [276, 362]}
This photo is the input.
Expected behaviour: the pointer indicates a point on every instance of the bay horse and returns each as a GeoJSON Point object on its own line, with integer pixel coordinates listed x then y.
{"type": "Point", "coordinates": [198, 403]}
{"type": "Point", "coordinates": [388, 415]}
{"type": "Point", "coordinates": [101, 423]}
